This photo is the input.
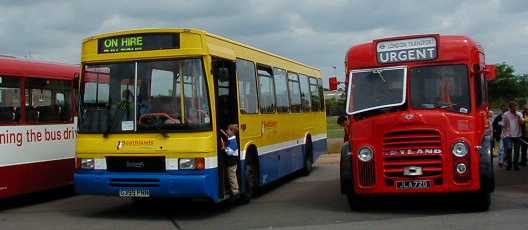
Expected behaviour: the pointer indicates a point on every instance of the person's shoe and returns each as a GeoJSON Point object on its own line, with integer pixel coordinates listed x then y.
{"type": "Point", "coordinates": [500, 164]}
{"type": "Point", "coordinates": [523, 164]}
{"type": "Point", "coordinates": [508, 168]}
{"type": "Point", "coordinates": [516, 168]}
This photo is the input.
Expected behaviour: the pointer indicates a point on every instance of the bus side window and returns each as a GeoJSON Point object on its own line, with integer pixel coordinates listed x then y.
{"type": "Point", "coordinates": [315, 97]}
{"type": "Point", "coordinates": [10, 100]}
{"type": "Point", "coordinates": [247, 86]}
{"type": "Point", "coordinates": [295, 92]}
{"type": "Point", "coordinates": [266, 90]}
{"type": "Point", "coordinates": [281, 90]}
{"type": "Point", "coordinates": [306, 101]}
{"type": "Point", "coordinates": [321, 94]}
{"type": "Point", "coordinates": [48, 101]}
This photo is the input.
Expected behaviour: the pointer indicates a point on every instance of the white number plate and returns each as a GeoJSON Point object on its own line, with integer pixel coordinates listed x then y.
{"type": "Point", "coordinates": [414, 184]}
{"type": "Point", "coordinates": [134, 193]}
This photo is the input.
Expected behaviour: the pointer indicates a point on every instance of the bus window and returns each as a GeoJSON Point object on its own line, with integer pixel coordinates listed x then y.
{"type": "Point", "coordinates": [48, 100]}
{"type": "Point", "coordinates": [172, 95]}
{"type": "Point", "coordinates": [10, 101]}
{"type": "Point", "coordinates": [295, 93]}
{"type": "Point", "coordinates": [444, 87]}
{"type": "Point", "coordinates": [481, 89]}
{"type": "Point", "coordinates": [281, 90]}
{"type": "Point", "coordinates": [321, 94]}
{"type": "Point", "coordinates": [107, 105]}
{"type": "Point", "coordinates": [305, 94]}
{"type": "Point", "coordinates": [315, 97]}
{"type": "Point", "coordinates": [266, 94]}
{"type": "Point", "coordinates": [247, 85]}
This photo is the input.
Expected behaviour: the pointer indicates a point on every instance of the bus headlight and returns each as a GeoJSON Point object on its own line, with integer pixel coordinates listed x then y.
{"type": "Point", "coordinates": [87, 163]}
{"type": "Point", "coordinates": [191, 163]}
{"type": "Point", "coordinates": [365, 154]}
{"type": "Point", "coordinates": [460, 149]}
{"type": "Point", "coordinates": [461, 168]}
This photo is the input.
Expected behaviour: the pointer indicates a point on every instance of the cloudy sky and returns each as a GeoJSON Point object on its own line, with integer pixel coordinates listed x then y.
{"type": "Point", "coordinates": [317, 32]}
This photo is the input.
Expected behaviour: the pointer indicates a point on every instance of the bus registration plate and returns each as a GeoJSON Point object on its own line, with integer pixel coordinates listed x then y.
{"type": "Point", "coordinates": [134, 193]}
{"type": "Point", "coordinates": [414, 184]}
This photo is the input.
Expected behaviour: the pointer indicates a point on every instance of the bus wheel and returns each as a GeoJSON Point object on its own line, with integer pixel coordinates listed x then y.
{"type": "Point", "coordinates": [356, 202]}
{"type": "Point", "coordinates": [250, 181]}
{"type": "Point", "coordinates": [308, 159]}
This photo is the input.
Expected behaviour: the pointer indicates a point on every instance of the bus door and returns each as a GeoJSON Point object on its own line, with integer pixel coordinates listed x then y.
{"type": "Point", "coordinates": [226, 110]}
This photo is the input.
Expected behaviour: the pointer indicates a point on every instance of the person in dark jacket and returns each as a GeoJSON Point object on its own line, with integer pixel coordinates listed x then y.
{"type": "Point", "coordinates": [343, 122]}
{"type": "Point", "coordinates": [497, 132]}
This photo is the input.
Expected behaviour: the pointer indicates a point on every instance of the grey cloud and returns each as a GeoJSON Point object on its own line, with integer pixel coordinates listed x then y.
{"type": "Point", "coordinates": [316, 32]}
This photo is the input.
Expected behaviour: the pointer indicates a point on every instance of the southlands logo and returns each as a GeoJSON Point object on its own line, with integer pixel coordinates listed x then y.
{"type": "Point", "coordinates": [139, 142]}
{"type": "Point", "coordinates": [411, 152]}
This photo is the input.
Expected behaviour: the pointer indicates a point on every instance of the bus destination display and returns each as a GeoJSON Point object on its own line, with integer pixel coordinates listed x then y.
{"type": "Point", "coordinates": [139, 42]}
{"type": "Point", "coordinates": [415, 49]}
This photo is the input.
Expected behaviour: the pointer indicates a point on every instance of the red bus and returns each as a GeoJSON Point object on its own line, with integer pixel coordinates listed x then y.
{"type": "Point", "coordinates": [418, 119]}
{"type": "Point", "coordinates": [37, 125]}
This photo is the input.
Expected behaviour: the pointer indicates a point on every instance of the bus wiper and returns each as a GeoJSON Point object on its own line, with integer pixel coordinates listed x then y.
{"type": "Point", "coordinates": [379, 73]}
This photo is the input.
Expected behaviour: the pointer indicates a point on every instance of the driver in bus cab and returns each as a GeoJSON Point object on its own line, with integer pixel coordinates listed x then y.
{"type": "Point", "coordinates": [446, 87]}
{"type": "Point", "coordinates": [231, 149]}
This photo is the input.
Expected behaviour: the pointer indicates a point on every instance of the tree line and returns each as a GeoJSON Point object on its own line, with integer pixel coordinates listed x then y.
{"type": "Point", "coordinates": [507, 86]}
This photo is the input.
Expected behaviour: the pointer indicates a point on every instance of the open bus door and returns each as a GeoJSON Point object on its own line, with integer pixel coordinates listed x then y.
{"type": "Point", "coordinates": [226, 111]}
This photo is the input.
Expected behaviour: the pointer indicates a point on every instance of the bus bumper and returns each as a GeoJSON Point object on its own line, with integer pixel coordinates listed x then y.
{"type": "Point", "coordinates": [188, 184]}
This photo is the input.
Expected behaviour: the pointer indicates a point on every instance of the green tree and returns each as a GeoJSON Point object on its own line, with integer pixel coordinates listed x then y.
{"type": "Point", "coordinates": [507, 86]}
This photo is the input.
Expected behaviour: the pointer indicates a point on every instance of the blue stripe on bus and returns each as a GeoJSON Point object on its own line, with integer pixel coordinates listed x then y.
{"type": "Point", "coordinates": [202, 183]}
{"type": "Point", "coordinates": [278, 164]}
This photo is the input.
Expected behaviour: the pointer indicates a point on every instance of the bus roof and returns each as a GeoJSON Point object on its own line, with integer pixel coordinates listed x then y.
{"type": "Point", "coordinates": [213, 44]}
{"type": "Point", "coordinates": [37, 69]}
{"type": "Point", "coordinates": [364, 55]}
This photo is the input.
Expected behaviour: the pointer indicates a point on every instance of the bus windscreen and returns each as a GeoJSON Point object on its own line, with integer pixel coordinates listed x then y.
{"type": "Point", "coordinates": [375, 89]}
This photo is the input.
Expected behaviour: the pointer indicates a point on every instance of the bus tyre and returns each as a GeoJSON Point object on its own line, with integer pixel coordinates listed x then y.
{"type": "Point", "coordinates": [356, 202]}
{"type": "Point", "coordinates": [308, 159]}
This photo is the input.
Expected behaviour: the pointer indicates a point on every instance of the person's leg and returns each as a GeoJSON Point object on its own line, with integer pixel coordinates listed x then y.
{"type": "Point", "coordinates": [501, 152]}
{"type": "Point", "coordinates": [524, 151]}
{"type": "Point", "coordinates": [516, 152]}
{"type": "Point", "coordinates": [233, 182]}
{"type": "Point", "coordinates": [507, 142]}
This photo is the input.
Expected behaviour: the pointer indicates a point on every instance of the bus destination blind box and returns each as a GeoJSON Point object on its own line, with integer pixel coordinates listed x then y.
{"type": "Point", "coordinates": [139, 42]}
{"type": "Point", "coordinates": [406, 50]}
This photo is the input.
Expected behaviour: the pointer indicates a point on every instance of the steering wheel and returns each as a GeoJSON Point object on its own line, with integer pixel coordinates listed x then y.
{"type": "Point", "coordinates": [156, 119]}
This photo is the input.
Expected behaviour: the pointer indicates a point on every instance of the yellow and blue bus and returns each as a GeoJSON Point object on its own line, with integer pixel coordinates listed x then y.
{"type": "Point", "coordinates": [154, 102]}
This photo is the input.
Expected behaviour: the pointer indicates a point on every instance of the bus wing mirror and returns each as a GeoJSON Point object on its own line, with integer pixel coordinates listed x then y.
{"type": "Point", "coordinates": [332, 82]}
{"type": "Point", "coordinates": [491, 72]}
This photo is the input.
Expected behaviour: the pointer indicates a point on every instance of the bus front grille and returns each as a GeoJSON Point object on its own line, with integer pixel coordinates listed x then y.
{"type": "Point", "coordinates": [411, 139]}
{"type": "Point", "coordinates": [395, 167]}
{"type": "Point", "coordinates": [134, 182]}
{"type": "Point", "coordinates": [135, 164]}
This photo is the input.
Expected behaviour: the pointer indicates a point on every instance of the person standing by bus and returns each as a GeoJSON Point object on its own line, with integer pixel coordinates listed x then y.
{"type": "Point", "coordinates": [512, 132]}
{"type": "Point", "coordinates": [524, 144]}
{"type": "Point", "coordinates": [343, 122]}
{"type": "Point", "coordinates": [497, 133]}
{"type": "Point", "coordinates": [231, 149]}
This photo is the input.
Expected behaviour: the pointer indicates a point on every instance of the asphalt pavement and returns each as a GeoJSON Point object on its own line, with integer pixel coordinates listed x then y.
{"type": "Point", "coordinates": [297, 202]}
